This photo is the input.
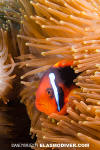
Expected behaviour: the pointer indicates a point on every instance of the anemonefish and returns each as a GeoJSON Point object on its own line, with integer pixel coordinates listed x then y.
{"type": "Point", "coordinates": [55, 87]}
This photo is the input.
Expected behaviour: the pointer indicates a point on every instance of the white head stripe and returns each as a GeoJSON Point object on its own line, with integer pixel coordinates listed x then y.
{"type": "Point", "coordinates": [52, 81]}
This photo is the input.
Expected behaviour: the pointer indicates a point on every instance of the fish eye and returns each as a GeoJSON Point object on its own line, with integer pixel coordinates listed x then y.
{"type": "Point", "coordinates": [50, 92]}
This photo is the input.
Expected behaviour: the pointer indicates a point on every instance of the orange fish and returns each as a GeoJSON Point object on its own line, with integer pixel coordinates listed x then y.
{"type": "Point", "coordinates": [55, 87]}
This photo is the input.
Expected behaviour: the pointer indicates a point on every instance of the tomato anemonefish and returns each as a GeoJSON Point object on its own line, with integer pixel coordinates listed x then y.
{"type": "Point", "coordinates": [55, 88]}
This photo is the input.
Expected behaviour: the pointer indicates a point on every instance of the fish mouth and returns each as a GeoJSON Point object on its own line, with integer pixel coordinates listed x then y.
{"type": "Point", "coordinates": [39, 104]}
{"type": "Point", "coordinates": [44, 107]}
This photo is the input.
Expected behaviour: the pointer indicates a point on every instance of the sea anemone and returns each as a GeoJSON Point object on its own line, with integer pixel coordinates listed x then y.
{"type": "Point", "coordinates": [14, 121]}
{"type": "Point", "coordinates": [6, 66]}
{"type": "Point", "coordinates": [52, 28]}
{"type": "Point", "coordinates": [65, 29]}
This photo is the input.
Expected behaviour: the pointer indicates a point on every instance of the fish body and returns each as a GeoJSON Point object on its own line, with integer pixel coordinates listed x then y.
{"type": "Point", "coordinates": [55, 87]}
